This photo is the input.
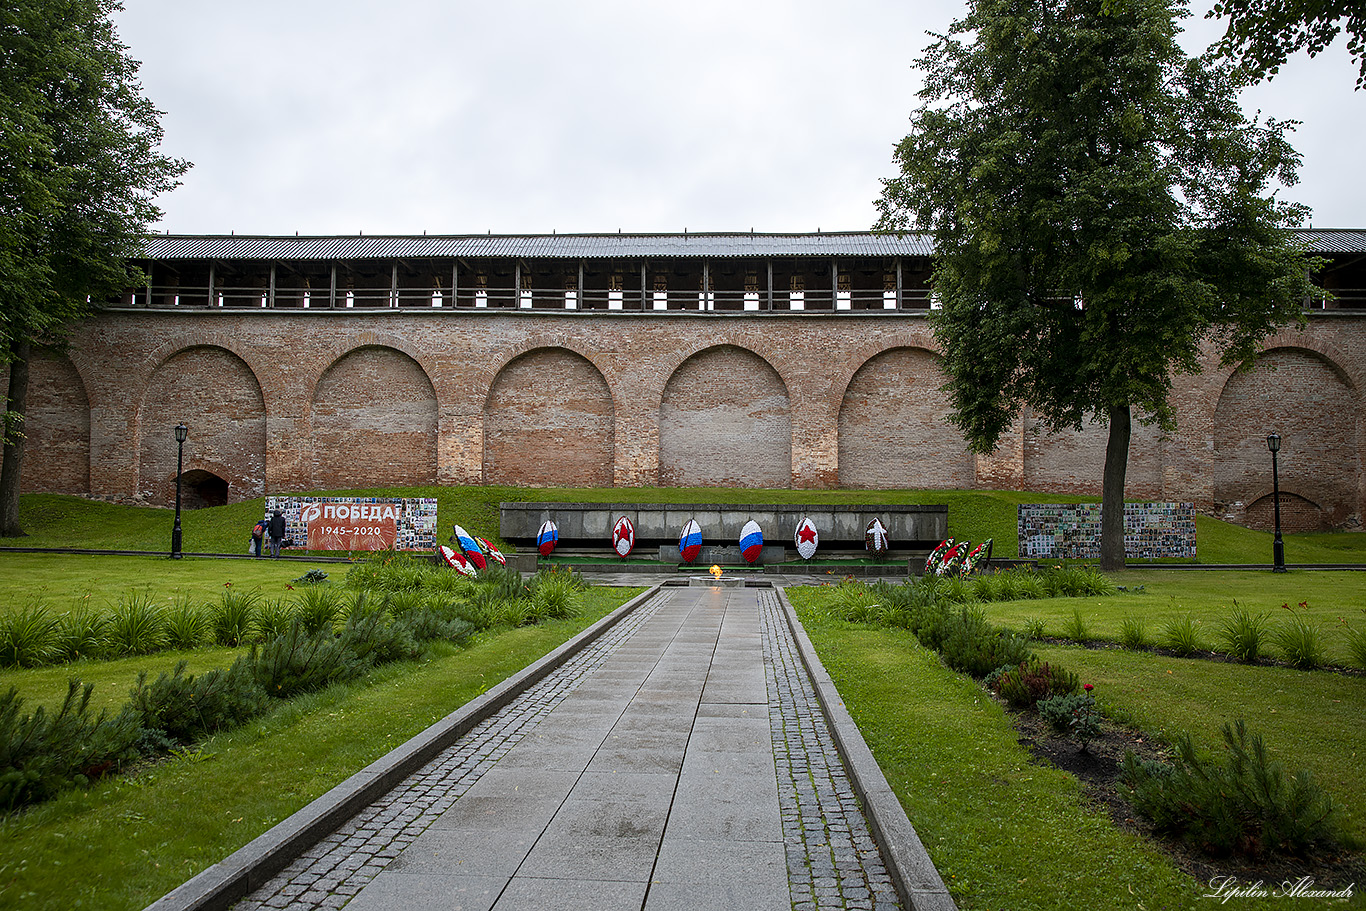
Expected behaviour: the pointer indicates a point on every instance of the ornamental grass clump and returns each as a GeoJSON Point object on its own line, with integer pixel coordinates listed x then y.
{"type": "Point", "coordinates": [317, 608]}
{"type": "Point", "coordinates": [1245, 804]}
{"type": "Point", "coordinates": [188, 624]}
{"type": "Point", "coordinates": [1133, 633]}
{"type": "Point", "coordinates": [82, 632]}
{"type": "Point", "coordinates": [554, 595]}
{"type": "Point", "coordinates": [1356, 644]}
{"type": "Point", "coordinates": [137, 625]}
{"type": "Point", "coordinates": [853, 602]}
{"type": "Point", "coordinates": [1182, 636]}
{"type": "Point", "coordinates": [987, 587]}
{"type": "Point", "coordinates": [234, 618]}
{"type": "Point", "coordinates": [1075, 628]}
{"type": "Point", "coordinates": [1301, 643]}
{"type": "Point", "coordinates": [273, 618]}
{"type": "Point", "coordinates": [29, 637]}
{"type": "Point", "coordinates": [1243, 634]}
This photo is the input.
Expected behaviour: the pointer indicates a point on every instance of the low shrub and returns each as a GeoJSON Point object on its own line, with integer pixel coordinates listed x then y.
{"type": "Point", "coordinates": [1301, 642]}
{"type": "Point", "coordinates": [1243, 634]}
{"type": "Point", "coordinates": [1245, 804]}
{"type": "Point", "coordinates": [298, 662]}
{"type": "Point", "coordinates": [1023, 685]}
{"type": "Point", "coordinates": [1182, 636]}
{"type": "Point", "coordinates": [372, 638]}
{"type": "Point", "coordinates": [1035, 628]}
{"type": "Point", "coordinates": [137, 625]}
{"type": "Point", "coordinates": [29, 637]}
{"type": "Point", "coordinates": [973, 646]}
{"type": "Point", "coordinates": [1072, 714]}
{"type": "Point", "coordinates": [1133, 633]}
{"type": "Point", "coordinates": [184, 709]}
{"type": "Point", "coordinates": [45, 752]}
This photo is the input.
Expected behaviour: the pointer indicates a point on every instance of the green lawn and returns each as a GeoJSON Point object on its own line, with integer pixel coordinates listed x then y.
{"type": "Point", "coordinates": [58, 582]}
{"type": "Point", "coordinates": [1003, 832]}
{"type": "Point", "coordinates": [126, 841]}
{"type": "Point", "coordinates": [52, 520]}
{"type": "Point", "coordinates": [1006, 833]}
{"type": "Point", "coordinates": [1332, 600]}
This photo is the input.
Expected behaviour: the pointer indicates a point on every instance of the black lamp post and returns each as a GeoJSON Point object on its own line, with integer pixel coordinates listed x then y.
{"type": "Point", "coordinates": [1273, 442]}
{"type": "Point", "coordinates": [181, 432]}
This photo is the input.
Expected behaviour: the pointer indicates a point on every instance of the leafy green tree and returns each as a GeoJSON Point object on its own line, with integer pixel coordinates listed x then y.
{"type": "Point", "coordinates": [79, 170]}
{"type": "Point", "coordinates": [1262, 34]}
{"type": "Point", "coordinates": [1100, 211]}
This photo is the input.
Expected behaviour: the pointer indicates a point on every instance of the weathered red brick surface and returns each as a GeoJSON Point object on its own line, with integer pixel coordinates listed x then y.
{"type": "Point", "coordinates": [280, 401]}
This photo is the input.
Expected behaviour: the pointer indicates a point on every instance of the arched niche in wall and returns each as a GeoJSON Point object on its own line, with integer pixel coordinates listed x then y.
{"type": "Point", "coordinates": [549, 421]}
{"type": "Point", "coordinates": [1309, 401]}
{"type": "Point", "coordinates": [56, 427]}
{"type": "Point", "coordinates": [217, 396]}
{"type": "Point", "coordinates": [374, 416]}
{"type": "Point", "coordinates": [725, 421]}
{"type": "Point", "coordinates": [892, 427]}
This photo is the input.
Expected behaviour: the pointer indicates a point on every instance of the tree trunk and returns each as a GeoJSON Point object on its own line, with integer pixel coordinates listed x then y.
{"type": "Point", "coordinates": [16, 405]}
{"type": "Point", "coordinates": [1112, 490]}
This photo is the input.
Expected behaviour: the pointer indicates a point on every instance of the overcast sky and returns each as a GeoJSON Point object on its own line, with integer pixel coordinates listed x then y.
{"type": "Point", "coordinates": [527, 116]}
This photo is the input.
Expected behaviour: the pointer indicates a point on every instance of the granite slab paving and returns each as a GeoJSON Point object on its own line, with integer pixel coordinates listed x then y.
{"type": "Point", "coordinates": [680, 762]}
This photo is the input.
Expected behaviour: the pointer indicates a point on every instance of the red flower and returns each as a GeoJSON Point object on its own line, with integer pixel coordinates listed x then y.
{"type": "Point", "coordinates": [1086, 686]}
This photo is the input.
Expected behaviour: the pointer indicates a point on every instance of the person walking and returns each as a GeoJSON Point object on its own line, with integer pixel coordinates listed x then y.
{"type": "Point", "coordinates": [276, 530]}
{"type": "Point", "coordinates": [258, 533]}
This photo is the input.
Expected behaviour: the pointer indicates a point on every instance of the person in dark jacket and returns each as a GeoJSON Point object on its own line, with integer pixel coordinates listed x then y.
{"type": "Point", "coordinates": [276, 530]}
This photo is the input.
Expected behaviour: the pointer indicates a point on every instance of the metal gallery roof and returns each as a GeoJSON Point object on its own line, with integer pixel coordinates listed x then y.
{"type": "Point", "coordinates": [536, 246]}
{"type": "Point", "coordinates": [1322, 241]}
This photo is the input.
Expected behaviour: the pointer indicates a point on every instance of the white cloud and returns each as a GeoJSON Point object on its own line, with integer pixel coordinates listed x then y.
{"type": "Point", "coordinates": [529, 115]}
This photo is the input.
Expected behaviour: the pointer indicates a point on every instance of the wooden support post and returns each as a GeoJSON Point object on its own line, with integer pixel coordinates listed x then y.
{"type": "Point", "coordinates": [455, 283]}
{"type": "Point", "coordinates": [270, 297]}
{"type": "Point", "coordinates": [211, 284]}
{"type": "Point", "coordinates": [332, 289]}
{"type": "Point", "coordinates": [900, 299]}
{"type": "Point", "coordinates": [393, 288]}
{"type": "Point", "coordinates": [769, 263]}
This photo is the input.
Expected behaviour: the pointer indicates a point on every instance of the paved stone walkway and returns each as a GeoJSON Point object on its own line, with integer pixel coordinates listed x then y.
{"type": "Point", "coordinates": [680, 761]}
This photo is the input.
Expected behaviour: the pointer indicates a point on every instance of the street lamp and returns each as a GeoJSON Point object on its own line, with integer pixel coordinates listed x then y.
{"type": "Point", "coordinates": [181, 432]}
{"type": "Point", "coordinates": [1273, 442]}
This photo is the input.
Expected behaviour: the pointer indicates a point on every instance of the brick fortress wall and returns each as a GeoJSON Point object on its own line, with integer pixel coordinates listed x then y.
{"type": "Point", "coordinates": [280, 401]}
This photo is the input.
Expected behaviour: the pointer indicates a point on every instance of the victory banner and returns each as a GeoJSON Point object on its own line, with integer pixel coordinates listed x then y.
{"type": "Point", "coordinates": [358, 523]}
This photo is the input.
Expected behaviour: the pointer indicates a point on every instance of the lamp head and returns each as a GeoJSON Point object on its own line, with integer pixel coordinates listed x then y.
{"type": "Point", "coordinates": [181, 432]}
{"type": "Point", "coordinates": [1273, 442]}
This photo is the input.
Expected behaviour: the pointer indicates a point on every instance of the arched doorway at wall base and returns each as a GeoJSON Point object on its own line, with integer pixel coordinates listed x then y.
{"type": "Point", "coordinates": [200, 489]}
{"type": "Point", "coordinates": [1297, 514]}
